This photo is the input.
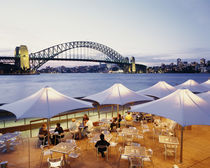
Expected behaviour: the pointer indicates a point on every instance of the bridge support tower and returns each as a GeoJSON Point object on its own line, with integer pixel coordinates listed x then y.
{"type": "Point", "coordinates": [22, 61]}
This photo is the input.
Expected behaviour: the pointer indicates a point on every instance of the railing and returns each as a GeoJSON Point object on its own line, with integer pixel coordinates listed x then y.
{"type": "Point", "coordinates": [32, 125]}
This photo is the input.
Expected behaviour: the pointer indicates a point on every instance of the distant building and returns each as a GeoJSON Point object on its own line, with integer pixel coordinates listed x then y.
{"type": "Point", "coordinates": [179, 61]}
{"type": "Point", "coordinates": [133, 65]}
{"type": "Point", "coordinates": [202, 61]}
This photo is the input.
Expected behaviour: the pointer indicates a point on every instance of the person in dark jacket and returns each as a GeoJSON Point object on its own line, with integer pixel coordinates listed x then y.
{"type": "Point", "coordinates": [119, 119]}
{"type": "Point", "coordinates": [103, 143]}
{"type": "Point", "coordinates": [43, 134]}
{"type": "Point", "coordinates": [113, 123]}
{"type": "Point", "coordinates": [59, 131]}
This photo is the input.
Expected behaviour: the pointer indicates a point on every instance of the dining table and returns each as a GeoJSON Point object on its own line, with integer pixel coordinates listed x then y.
{"type": "Point", "coordinates": [135, 151]}
{"type": "Point", "coordinates": [64, 148]}
{"type": "Point", "coordinates": [168, 140]}
{"type": "Point", "coordinates": [8, 140]}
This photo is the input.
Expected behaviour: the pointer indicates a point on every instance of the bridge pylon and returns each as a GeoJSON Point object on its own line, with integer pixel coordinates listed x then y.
{"type": "Point", "coordinates": [22, 58]}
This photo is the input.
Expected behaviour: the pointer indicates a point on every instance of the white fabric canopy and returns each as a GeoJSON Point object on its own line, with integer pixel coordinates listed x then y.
{"type": "Point", "coordinates": [193, 86]}
{"type": "Point", "coordinates": [159, 90]}
{"type": "Point", "coordinates": [117, 94]}
{"type": "Point", "coordinates": [205, 96]}
{"type": "Point", "coordinates": [182, 106]}
{"type": "Point", "coordinates": [45, 103]}
{"type": "Point", "coordinates": [206, 84]}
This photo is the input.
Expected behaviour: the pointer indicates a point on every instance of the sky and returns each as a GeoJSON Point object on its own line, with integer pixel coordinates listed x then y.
{"type": "Point", "coordinates": [153, 31]}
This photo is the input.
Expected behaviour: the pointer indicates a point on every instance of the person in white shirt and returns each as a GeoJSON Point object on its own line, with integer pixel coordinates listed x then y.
{"type": "Point", "coordinates": [88, 127]}
{"type": "Point", "coordinates": [74, 128]}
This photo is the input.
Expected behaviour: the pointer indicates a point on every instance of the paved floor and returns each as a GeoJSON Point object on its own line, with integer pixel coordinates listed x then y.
{"type": "Point", "coordinates": [196, 152]}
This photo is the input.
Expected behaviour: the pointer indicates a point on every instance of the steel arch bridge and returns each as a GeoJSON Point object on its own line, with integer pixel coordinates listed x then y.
{"type": "Point", "coordinates": [41, 57]}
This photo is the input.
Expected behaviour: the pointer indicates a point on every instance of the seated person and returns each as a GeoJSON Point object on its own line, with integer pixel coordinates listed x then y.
{"type": "Point", "coordinates": [113, 123]}
{"type": "Point", "coordinates": [43, 134]}
{"type": "Point", "coordinates": [139, 116]}
{"type": "Point", "coordinates": [85, 119]}
{"type": "Point", "coordinates": [128, 117]}
{"type": "Point", "coordinates": [119, 119]}
{"type": "Point", "coordinates": [103, 143]}
{"type": "Point", "coordinates": [88, 127]}
{"type": "Point", "coordinates": [60, 132]}
{"type": "Point", "coordinates": [74, 128]}
{"type": "Point", "coordinates": [74, 125]}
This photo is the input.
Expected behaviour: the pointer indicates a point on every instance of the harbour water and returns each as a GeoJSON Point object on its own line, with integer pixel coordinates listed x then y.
{"type": "Point", "coordinates": [15, 87]}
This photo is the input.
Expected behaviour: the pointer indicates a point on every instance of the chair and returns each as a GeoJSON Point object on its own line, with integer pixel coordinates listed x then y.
{"type": "Point", "coordinates": [148, 157]}
{"type": "Point", "coordinates": [170, 150]}
{"type": "Point", "coordinates": [135, 144]}
{"type": "Point", "coordinates": [156, 132]}
{"type": "Point", "coordinates": [122, 156]}
{"type": "Point", "coordinates": [139, 138]}
{"type": "Point", "coordinates": [105, 132]}
{"type": "Point", "coordinates": [74, 133]}
{"type": "Point", "coordinates": [19, 137]}
{"type": "Point", "coordinates": [113, 143]}
{"type": "Point", "coordinates": [71, 141]}
{"type": "Point", "coordinates": [106, 151]}
{"type": "Point", "coordinates": [61, 137]}
{"type": "Point", "coordinates": [44, 153]}
{"type": "Point", "coordinates": [171, 129]}
{"type": "Point", "coordinates": [13, 143]}
{"type": "Point", "coordinates": [128, 138]}
{"type": "Point", "coordinates": [134, 161]}
{"type": "Point", "coordinates": [145, 128]}
{"type": "Point", "coordinates": [3, 147]}
{"type": "Point", "coordinates": [41, 142]}
{"type": "Point", "coordinates": [4, 164]}
{"type": "Point", "coordinates": [148, 117]}
{"type": "Point", "coordinates": [104, 128]}
{"type": "Point", "coordinates": [90, 142]}
{"type": "Point", "coordinates": [129, 123]}
{"type": "Point", "coordinates": [76, 153]}
{"type": "Point", "coordinates": [55, 163]}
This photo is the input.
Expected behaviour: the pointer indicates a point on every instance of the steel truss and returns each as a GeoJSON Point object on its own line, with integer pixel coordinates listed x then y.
{"type": "Point", "coordinates": [41, 57]}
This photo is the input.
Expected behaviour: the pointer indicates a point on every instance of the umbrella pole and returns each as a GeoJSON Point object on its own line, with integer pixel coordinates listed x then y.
{"type": "Point", "coordinates": [112, 110]}
{"type": "Point", "coordinates": [98, 112]}
{"type": "Point", "coordinates": [117, 109]}
{"type": "Point", "coordinates": [181, 147]}
{"type": "Point", "coordinates": [123, 110]}
{"type": "Point", "coordinates": [29, 153]}
{"type": "Point", "coordinates": [48, 131]}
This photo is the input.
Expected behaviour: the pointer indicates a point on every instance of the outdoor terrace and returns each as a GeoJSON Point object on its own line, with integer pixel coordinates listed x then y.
{"type": "Point", "coordinates": [196, 153]}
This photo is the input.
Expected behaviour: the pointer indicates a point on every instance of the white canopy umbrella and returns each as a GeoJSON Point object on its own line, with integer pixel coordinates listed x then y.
{"type": "Point", "coordinates": [205, 96]}
{"type": "Point", "coordinates": [193, 86]}
{"type": "Point", "coordinates": [45, 103]}
{"type": "Point", "coordinates": [117, 94]}
{"type": "Point", "coordinates": [206, 84]}
{"type": "Point", "coordinates": [182, 106]}
{"type": "Point", "coordinates": [159, 90]}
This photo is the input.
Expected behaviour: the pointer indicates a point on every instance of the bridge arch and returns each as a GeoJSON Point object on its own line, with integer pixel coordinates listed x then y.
{"type": "Point", "coordinates": [41, 57]}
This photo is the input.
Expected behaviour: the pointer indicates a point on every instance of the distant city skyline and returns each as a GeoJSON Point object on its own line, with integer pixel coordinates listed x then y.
{"type": "Point", "coordinates": [154, 32]}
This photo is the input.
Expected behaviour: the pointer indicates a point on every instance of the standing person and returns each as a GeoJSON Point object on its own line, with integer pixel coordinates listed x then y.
{"type": "Point", "coordinates": [102, 143]}
{"type": "Point", "coordinates": [60, 132]}
{"type": "Point", "coordinates": [43, 134]}
{"type": "Point", "coordinates": [119, 119]}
